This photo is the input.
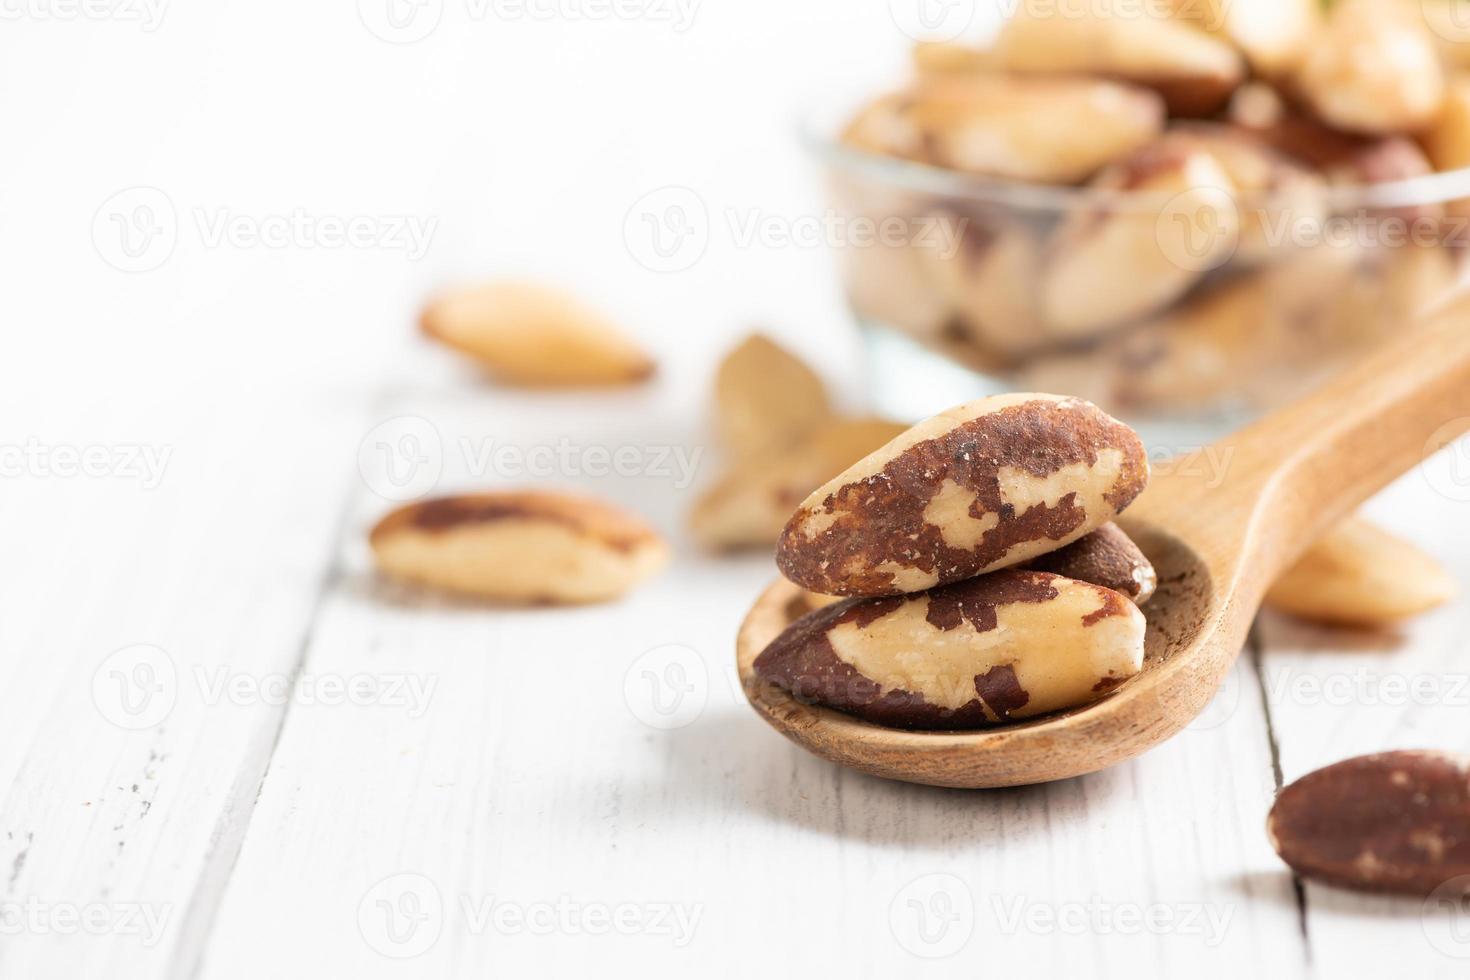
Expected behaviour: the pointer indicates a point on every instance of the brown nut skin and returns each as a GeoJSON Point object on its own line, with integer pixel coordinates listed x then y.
{"type": "Point", "coordinates": [983, 486]}
{"type": "Point", "coordinates": [1194, 72]}
{"type": "Point", "coordinates": [519, 547]}
{"type": "Point", "coordinates": [1360, 575]}
{"type": "Point", "coordinates": [527, 334]}
{"type": "Point", "coordinates": [987, 651]}
{"type": "Point", "coordinates": [1106, 557]}
{"type": "Point", "coordinates": [1375, 69]}
{"type": "Point", "coordinates": [1391, 822]}
{"type": "Point", "coordinates": [1052, 130]}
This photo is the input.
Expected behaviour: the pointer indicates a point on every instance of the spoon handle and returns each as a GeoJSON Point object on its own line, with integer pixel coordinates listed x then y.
{"type": "Point", "coordinates": [1297, 472]}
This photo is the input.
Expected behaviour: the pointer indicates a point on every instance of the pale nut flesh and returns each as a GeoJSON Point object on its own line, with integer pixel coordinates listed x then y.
{"type": "Point", "coordinates": [1110, 265]}
{"type": "Point", "coordinates": [1194, 72]}
{"type": "Point", "coordinates": [1374, 69]}
{"type": "Point", "coordinates": [1106, 557]}
{"type": "Point", "coordinates": [988, 484]}
{"type": "Point", "coordinates": [519, 547]}
{"type": "Point", "coordinates": [765, 397]}
{"type": "Point", "coordinates": [527, 334]}
{"type": "Point", "coordinates": [1360, 575]}
{"type": "Point", "coordinates": [748, 507]}
{"type": "Point", "coordinates": [1390, 822]}
{"type": "Point", "coordinates": [986, 651]}
{"type": "Point", "coordinates": [1043, 130]}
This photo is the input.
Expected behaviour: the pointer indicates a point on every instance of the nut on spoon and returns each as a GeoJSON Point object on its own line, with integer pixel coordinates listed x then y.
{"type": "Point", "coordinates": [1216, 546]}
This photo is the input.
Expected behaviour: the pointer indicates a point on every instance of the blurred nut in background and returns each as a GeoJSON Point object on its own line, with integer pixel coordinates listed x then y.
{"type": "Point", "coordinates": [748, 506]}
{"type": "Point", "coordinates": [766, 398]}
{"type": "Point", "coordinates": [1044, 130]}
{"type": "Point", "coordinates": [1274, 35]}
{"type": "Point", "coordinates": [990, 282]}
{"type": "Point", "coordinates": [1447, 141]}
{"type": "Point", "coordinates": [1374, 69]}
{"type": "Point", "coordinates": [1116, 262]}
{"type": "Point", "coordinates": [1360, 575]}
{"type": "Point", "coordinates": [1194, 72]}
{"type": "Point", "coordinates": [527, 334]}
{"type": "Point", "coordinates": [527, 547]}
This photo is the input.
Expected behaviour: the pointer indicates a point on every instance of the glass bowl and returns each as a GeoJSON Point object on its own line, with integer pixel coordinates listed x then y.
{"type": "Point", "coordinates": [1190, 311]}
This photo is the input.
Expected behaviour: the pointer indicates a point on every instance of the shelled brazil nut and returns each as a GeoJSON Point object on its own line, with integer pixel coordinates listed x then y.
{"type": "Point", "coordinates": [985, 485]}
{"type": "Point", "coordinates": [941, 630]}
{"type": "Point", "coordinates": [990, 650]}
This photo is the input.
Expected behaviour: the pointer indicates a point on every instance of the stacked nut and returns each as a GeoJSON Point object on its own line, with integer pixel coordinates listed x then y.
{"type": "Point", "coordinates": [984, 582]}
{"type": "Point", "coordinates": [1165, 211]}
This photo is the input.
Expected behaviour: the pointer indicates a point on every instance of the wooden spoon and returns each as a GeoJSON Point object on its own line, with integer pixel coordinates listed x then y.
{"type": "Point", "coordinates": [1217, 545]}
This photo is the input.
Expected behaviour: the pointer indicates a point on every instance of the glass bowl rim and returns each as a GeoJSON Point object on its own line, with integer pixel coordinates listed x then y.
{"type": "Point", "coordinates": [820, 138]}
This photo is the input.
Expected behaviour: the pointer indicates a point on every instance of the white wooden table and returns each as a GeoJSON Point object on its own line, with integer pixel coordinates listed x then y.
{"type": "Point", "coordinates": [230, 751]}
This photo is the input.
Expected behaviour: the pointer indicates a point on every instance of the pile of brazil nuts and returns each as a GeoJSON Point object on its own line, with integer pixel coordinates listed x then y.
{"type": "Point", "coordinates": [983, 579]}
{"type": "Point", "coordinates": [1256, 126]}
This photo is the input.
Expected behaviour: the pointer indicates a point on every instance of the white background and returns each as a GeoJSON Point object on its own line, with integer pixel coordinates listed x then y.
{"type": "Point", "coordinates": [270, 830]}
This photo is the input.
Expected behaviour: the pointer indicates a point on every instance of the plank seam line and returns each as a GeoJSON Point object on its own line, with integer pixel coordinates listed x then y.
{"type": "Point", "coordinates": [200, 912]}
{"type": "Point", "coordinates": [1258, 661]}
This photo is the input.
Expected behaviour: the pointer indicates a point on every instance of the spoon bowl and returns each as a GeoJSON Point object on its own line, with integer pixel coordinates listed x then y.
{"type": "Point", "coordinates": [1216, 546]}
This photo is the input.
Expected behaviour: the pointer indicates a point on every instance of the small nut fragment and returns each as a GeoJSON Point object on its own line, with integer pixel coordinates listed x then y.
{"type": "Point", "coordinates": [529, 546]}
{"type": "Point", "coordinates": [1390, 822]}
{"type": "Point", "coordinates": [1360, 575]}
{"type": "Point", "coordinates": [1106, 557]}
{"type": "Point", "coordinates": [1194, 72]}
{"type": "Point", "coordinates": [750, 505]}
{"type": "Point", "coordinates": [990, 483]}
{"type": "Point", "coordinates": [987, 651]}
{"type": "Point", "coordinates": [1274, 35]}
{"type": "Point", "coordinates": [527, 334]}
{"type": "Point", "coordinates": [1117, 262]}
{"type": "Point", "coordinates": [1374, 69]}
{"type": "Point", "coordinates": [766, 397]}
{"type": "Point", "coordinates": [1044, 130]}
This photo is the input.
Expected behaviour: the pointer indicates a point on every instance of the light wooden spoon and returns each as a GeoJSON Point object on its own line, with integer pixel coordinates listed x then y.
{"type": "Point", "coordinates": [1217, 545]}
